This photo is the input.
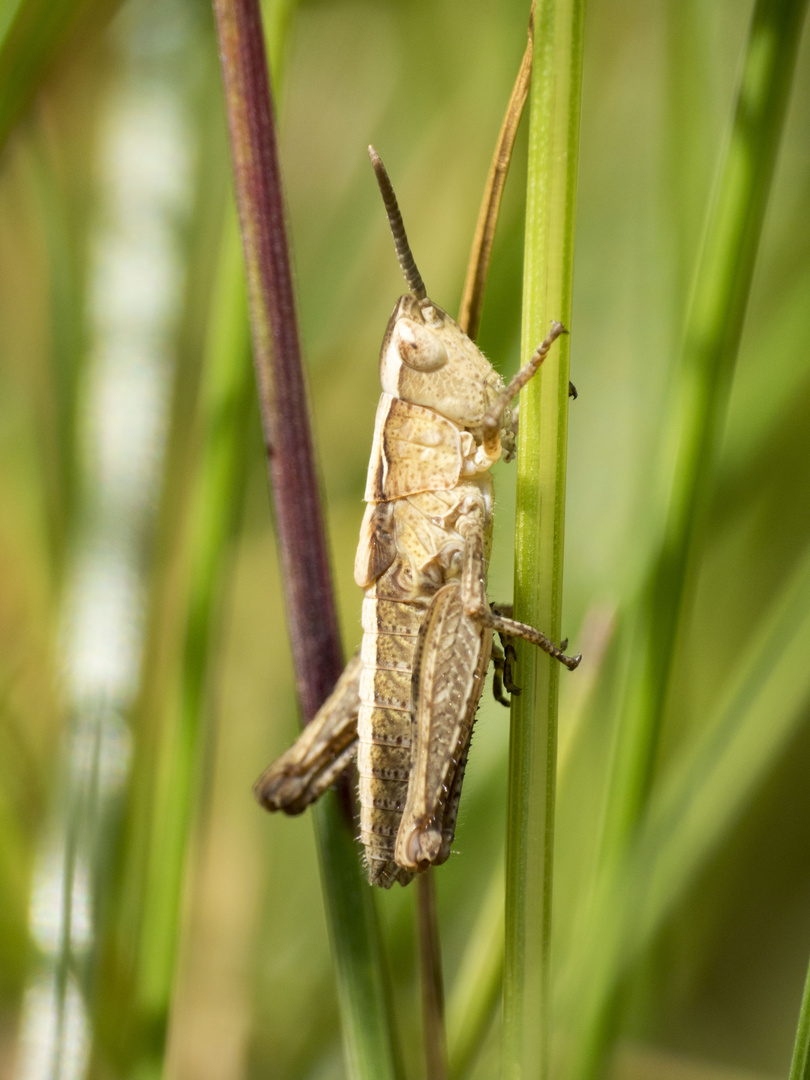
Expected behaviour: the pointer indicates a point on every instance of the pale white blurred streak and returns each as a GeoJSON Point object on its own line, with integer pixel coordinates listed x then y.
{"type": "Point", "coordinates": [53, 1024]}
{"type": "Point", "coordinates": [135, 287]}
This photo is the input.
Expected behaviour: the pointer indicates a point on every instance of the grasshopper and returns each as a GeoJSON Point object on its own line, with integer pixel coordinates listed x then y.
{"type": "Point", "coordinates": [406, 702]}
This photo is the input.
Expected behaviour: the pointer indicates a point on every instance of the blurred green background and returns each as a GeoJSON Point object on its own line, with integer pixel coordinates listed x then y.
{"type": "Point", "coordinates": [138, 565]}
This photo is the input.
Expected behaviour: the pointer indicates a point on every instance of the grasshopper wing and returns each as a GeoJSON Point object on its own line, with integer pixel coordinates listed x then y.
{"type": "Point", "coordinates": [450, 665]}
{"type": "Point", "coordinates": [320, 753]}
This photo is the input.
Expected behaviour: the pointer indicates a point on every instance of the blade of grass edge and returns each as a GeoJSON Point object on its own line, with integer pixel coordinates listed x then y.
{"type": "Point", "coordinates": [472, 298]}
{"type": "Point", "coordinates": [212, 515]}
{"type": "Point", "coordinates": [434, 1034]}
{"type": "Point", "coordinates": [144, 935]}
{"type": "Point", "coordinates": [362, 987]}
{"type": "Point", "coordinates": [800, 1062]}
{"type": "Point", "coordinates": [551, 190]}
{"type": "Point", "coordinates": [714, 325]}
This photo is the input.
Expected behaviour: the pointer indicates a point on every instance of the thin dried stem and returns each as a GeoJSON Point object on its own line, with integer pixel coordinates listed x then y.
{"type": "Point", "coordinates": [277, 354]}
{"type": "Point", "coordinates": [430, 961]}
{"type": "Point", "coordinates": [469, 320]}
{"type": "Point", "coordinates": [472, 300]}
{"type": "Point", "coordinates": [362, 986]}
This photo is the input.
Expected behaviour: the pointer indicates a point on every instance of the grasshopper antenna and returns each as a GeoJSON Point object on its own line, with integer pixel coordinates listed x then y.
{"type": "Point", "coordinates": [406, 261]}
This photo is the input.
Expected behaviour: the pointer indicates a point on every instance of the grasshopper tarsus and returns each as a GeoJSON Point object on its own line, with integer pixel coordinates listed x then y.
{"type": "Point", "coordinates": [504, 660]}
{"type": "Point", "coordinates": [572, 391]}
{"type": "Point", "coordinates": [497, 684]}
{"type": "Point", "coordinates": [499, 664]}
{"type": "Point", "coordinates": [509, 665]}
{"type": "Point", "coordinates": [501, 698]}
{"type": "Point", "coordinates": [512, 687]}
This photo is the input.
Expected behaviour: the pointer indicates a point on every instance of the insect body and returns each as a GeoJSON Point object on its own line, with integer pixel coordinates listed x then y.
{"type": "Point", "coordinates": [407, 702]}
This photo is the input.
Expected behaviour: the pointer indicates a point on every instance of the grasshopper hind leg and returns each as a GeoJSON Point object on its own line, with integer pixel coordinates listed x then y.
{"type": "Point", "coordinates": [450, 665]}
{"type": "Point", "coordinates": [321, 752]}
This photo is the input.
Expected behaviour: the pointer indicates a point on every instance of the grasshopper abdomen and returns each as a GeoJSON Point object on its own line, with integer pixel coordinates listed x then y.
{"type": "Point", "coordinates": [390, 634]}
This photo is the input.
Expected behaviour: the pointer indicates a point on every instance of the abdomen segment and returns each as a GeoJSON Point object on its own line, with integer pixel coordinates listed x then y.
{"type": "Point", "coordinates": [390, 631]}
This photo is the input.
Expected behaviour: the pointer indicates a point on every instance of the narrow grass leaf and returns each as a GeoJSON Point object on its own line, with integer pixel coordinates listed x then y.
{"type": "Point", "coordinates": [551, 190]}
{"type": "Point", "coordinates": [478, 983]}
{"type": "Point", "coordinates": [693, 809]}
{"type": "Point", "coordinates": [713, 330]}
{"type": "Point", "coordinates": [32, 35]}
{"type": "Point", "coordinates": [216, 496]}
{"type": "Point", "coordinates": [800, 1063]}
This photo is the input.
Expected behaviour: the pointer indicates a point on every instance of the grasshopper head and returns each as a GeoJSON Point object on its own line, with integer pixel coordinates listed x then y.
{"type": "Point", "coordinates": [426, 358]}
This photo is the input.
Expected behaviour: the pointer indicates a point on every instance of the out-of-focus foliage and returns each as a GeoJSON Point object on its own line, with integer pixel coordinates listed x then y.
{"type": "Point", "coordinates": [114, 233]}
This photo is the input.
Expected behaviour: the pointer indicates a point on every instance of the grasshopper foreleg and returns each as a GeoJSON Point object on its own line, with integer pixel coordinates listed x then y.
{"type": "Point", "coordinates": [491, 424]}
{"type": "Point", "coordinates": [320, 753]}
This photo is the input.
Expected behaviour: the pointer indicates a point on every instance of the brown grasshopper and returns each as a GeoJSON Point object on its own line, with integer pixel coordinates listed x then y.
{"type": "Point", "coordinates": [406, 703]}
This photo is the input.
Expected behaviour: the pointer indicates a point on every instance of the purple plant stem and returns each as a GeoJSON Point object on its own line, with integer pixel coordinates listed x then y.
{"type": "Point", "coordinates": [311, 615]}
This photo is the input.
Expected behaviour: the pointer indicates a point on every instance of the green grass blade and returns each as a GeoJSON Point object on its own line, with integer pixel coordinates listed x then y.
{"type": "Point", "coordinates": [713, 330]}
{"type": "Point", "coordinates": [714, 327]}
{"type": "Point", "coordinates": [697, 802]}
{"type": "Point", "coordinates": [800, 1063]}
{"type": "Point", "coordinates": [32, 35]}
{"type": "Point", "coordinates": [216, 497]}
{"type": "Point", "coordinates": [704, 793]}
{"type": "Point", "coordinates": [552, 170]}
{"type": "Point", "coordinates": [363, 992]}
{"type": "Point", "coordinates": [478, 982]}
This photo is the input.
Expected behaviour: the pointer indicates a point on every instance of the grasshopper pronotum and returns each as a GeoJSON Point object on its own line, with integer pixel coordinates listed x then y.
{"type": "Point", "coordinates": [406, 703]}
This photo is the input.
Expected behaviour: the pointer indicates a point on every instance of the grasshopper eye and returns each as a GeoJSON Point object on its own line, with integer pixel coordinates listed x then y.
{"type": "Point", "coordinates": [418, 347]}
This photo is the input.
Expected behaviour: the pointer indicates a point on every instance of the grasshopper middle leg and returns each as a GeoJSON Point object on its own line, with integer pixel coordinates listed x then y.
{"type": "Point", "coordinates": [472, 528]}
{"type": "Point", "coordinates": [503, 661]}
